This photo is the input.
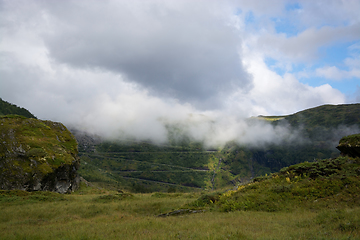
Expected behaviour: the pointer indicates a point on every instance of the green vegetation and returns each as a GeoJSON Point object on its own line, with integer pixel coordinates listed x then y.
{"type": "Point", "coordinates": [319, 200]}
{"type": "Point", "coordinates": [144, 191]}
{"type": "Point", "coordinates": [31, 149]}
{"type": "Point", "coordinates": [350, 141]}
{"type": "Point", "coordinates": [185, 166]}
{"type": "Point", "coordinates": [326, 116]}
{"type": "Point", "coordinates": [325, 184]}
{"type": "Point", "coordinates": [144, 167]}
{"type": "Point", "coordinates": [11, 109]}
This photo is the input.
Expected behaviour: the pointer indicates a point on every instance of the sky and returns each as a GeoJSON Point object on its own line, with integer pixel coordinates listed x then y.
{"type": "Point", "coordinates": [131, 68]}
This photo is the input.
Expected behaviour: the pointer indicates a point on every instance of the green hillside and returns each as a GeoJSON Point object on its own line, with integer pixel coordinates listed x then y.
{"type": "Point", "coordinates": [320, 129]}
{"type": "Point", "coordinates": [7, 108]}
{"type": "Point", "coordinates": [328, 183]}
{"type": "Point", "coordinates": [144, 167]}
{"type": "Point", "coordinates": [326, 116]}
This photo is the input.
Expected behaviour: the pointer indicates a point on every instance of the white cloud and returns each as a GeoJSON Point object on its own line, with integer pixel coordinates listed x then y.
{"type": "Point", "coordinates": [124, 68]}
{"type": "Point", "coordinates": [305, 46]}
{"type": "Point", "coordinates": [352, 64]}
{"type": "Point", "coordinates": [334, 73]}
{"type": "Point", "coordinates": [274, 94]}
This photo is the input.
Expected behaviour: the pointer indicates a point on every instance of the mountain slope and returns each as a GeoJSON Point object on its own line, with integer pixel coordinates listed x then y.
{"type": "Point", "coordinates": [7, 108]}
{"type": "Point", "coordinates": [327, 183]}
{"type": "Point", "coordinates": [141, 166]}
{"type": "Point", "coordinates": [326, 116]}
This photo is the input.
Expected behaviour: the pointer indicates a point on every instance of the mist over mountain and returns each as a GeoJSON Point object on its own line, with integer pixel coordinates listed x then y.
{"type": "Point", "coordinates": [212, 129]}
{"type": "Point", "coordinates": [325, 124]}
{"type": "Point", "coordinates": [196, 151]}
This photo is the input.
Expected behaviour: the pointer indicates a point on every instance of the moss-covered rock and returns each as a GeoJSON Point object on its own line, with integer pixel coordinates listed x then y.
{"type": "Point", "coordinates": [350, 145]}
{"type": "Point", "coordinates": [37, 155]}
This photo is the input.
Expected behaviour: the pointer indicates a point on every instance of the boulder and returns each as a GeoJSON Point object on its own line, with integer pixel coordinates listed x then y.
{"type": "Point", "coordinates": [37, 155]}
{"type": "Point", "coordinates": [350, 145]}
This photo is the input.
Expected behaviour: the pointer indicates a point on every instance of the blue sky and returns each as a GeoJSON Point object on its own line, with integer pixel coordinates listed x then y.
{"type": "Point", "coordinates": [331, 63]}
{"type": "Point", "coordinates": [134, 64]}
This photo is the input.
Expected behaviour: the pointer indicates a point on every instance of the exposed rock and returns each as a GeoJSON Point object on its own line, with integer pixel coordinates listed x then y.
{"type": "Point", "coordinates": [350, 145]}
{"type": "Point", "coordinates": [86, 141]}
{"type": "Point", "coordinates": [37, 155]}
{"type": "Point", "coordinates": [181, 212]}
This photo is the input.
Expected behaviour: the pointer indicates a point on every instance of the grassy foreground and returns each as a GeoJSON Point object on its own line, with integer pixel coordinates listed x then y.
{"type": "Point", "coordinates": [98, 214]}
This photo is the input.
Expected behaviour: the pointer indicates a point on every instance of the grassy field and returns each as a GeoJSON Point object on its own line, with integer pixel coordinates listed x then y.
{"type": "Point", "coordinates": [99, 214]}
{"type": "Point", "coordinates": [317, 200]}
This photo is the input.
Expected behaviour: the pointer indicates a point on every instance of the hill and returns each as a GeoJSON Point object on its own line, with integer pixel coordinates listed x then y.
{"type": "Point", "coordinates": [327, 183]}
{"type": "Point", "coordinates": [145, 167]}
{"type": "Point", "coordinates": [326, 116]}
{"type": "Point", "coordinates": [7, 108]}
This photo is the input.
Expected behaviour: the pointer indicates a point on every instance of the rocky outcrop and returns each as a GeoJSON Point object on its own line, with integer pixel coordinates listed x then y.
{"type": "Point", "coordinates": [37, 155]}
{"type": "Point", "coordinates": [350, 145]}
{"type": "Point", "coordinates": [86, 141]}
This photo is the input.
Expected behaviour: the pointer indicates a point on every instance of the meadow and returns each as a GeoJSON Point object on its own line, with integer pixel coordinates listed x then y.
{"type": "Point", "coordinates": [92, 213]}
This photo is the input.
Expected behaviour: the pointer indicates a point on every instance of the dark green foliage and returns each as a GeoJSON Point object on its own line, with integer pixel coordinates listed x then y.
{"type": "Point", "coordinates": [7, 108]}
{"type": "Point", "coordinates": [351, 140]}
{"type": "Point", "coordinates": [350, 145]}
{"type": "Point", "coordinates": [206, 199]}
{"type": "Point", "coordinates": [313, 170]}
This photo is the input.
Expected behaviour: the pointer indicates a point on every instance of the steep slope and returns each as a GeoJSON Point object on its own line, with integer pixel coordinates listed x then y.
{"type": "Point", "coordinates": [145, 167]}
{"type": "Point", "coordinates": [319, 129]}
{"type": "Point", "coordinates": [7, 108]}
{"type": "Point", "coordinates": [350, 145]}
{"type": "Point", "coordinates": [37, 155]}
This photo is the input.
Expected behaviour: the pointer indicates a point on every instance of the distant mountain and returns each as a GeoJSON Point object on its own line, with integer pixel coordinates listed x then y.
{"type": "Point", "coordinates": [328, 183]}
{"type": "Point", "coordinates": [7, 108]}
{"type": "Point", "coordinates": [144, 167]}
{"type": "Point", "coordinates": [319, 128]}
{"type": "Point", "coordinates": [326, 116]}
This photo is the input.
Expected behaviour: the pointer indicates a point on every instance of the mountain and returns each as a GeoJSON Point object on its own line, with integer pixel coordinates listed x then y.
{"type": "Point", "coordinates": [7, 108]}
{"type": "Point", "coordinates": [326, 116]}
{"type": "Point", "coordinates": [145, 167]}
{"type": "Point", "coordinates": [37, 155]}
{"type": "Point", "coordinates": [320, 130]}
{"type": "Point", "coordinates": [323, 184]}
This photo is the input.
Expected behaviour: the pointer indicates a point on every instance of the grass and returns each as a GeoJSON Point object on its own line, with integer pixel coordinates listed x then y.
{"type": "Point", "coordinates": [100, 214]}
{"type": "Point", "coordinates": [317, 200]}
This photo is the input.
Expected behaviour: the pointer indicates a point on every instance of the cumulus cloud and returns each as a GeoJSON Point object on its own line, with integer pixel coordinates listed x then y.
{"type": "Point", "coordinates": [305, 46]}
{"type": "Point", "coordinates": [334, 73]}
{"type": "Point", "coordinates": [173, 49]}
{"type": "Point", "coordinates": [129, 69]}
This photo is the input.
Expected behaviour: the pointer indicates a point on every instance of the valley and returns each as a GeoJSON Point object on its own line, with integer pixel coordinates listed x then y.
{"type": "Point", "coordinates": [184, 190]}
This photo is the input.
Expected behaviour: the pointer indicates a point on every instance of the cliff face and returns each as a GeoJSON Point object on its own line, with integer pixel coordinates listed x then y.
{"type": "Point", "coordinates": [350, 145]}
{"type": "Point", "coordinates": [37, 155]}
